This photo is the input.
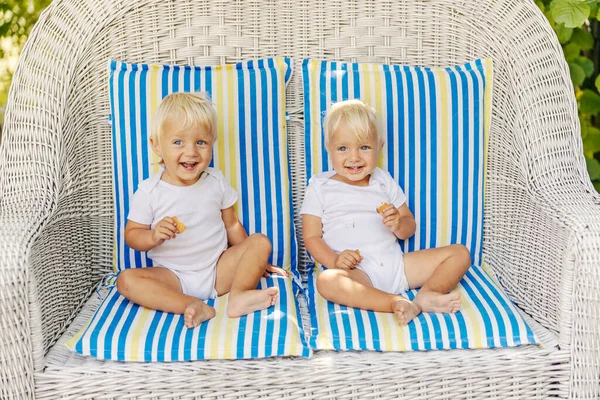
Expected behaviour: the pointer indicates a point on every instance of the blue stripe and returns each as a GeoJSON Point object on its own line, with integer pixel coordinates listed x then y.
{"type": "Point", "coordinates": [454, 165]}
{"type": "Point", "coordinates": [270, 323]}
{"type": "Point", "coordinates": [275, 134]}
{"type": "Point", "coordinates": [176, 339]}
{"type": "Point", "coordinates": [423, 189]}
{"type": "Point", "coordinates": [175, 79]}
{"type": "Point", "coordinates": [360, 329]}
{"type": "Point", "coordinates": [123, 163]}
{"type": "Point", "coordinates": [283, 322]}
{"type": "Point", "coordinates": [243, 148]}
{"type": "Point", "coordinates": [117, 184]}
{"type": "Point", "coordinates": [162, 337]}
{"type": "Point", "coordinates": [241, 335]}
{"type": "Point", "coordinates": [202, 333]}
{"type": "Point", "coordinates": [187, 84]}
{"type": "Point", "coordinates": [165, 82]}
{"type": "Point", "coordinates": [335, 333]}
{"type": "Point", "coordinates": [187, 350]}
{"type": "Point", "coordinates": [255, 334]}
{"type": "Point", "coordinates": [110, 331]}
{"type": "Point", "coordinates": [348, 331]}
{"type": "Point", "coordinates": [410, 186]}
{"type": "Point", "coordinates": [255, 150]}
{"type": "Point", "coordinates": [312, 306]}
{"type": "Point", "coordinates": [265, 151]}
{"type": "Point", "coordinates": [462, 329]}
{"type": "Point", "coordinates": [474, 295]}
{"type": "Point", "coordinates": [148, 350]}
{"type": "Point", "coordinates": [466, 167]}
{"type": "Point", "coordinates": [389, 110]}
{"type": "Point", "coordinates": [344, 68]}
{"type": "Point", "coordinates": [374, 330]}
{"type": "Point", "coordinates": [134, 152]}
{"type": "Point", "coordinates": [122, 341]}
{"type": "Point", "coordinates": [476, 234]}
{"type": "Point", "coordinates": [110, 299]}
{"type": "Point", "coordinates": [412, 328]}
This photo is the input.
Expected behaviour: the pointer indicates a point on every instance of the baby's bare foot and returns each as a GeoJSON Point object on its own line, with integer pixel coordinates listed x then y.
{"type": "Point", "coordinates": [246, 302]}
{"type": "Point", "coordinates": [197, 312]}
{"type": "Point", "coordinates": [438, 302]}
{"type": "Point", "coordinates": [405, 310]}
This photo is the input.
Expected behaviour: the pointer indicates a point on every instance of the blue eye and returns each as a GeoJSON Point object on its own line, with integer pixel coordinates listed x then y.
{"type": "Point", "coordinates": [177, 142]}
{"type": "Point", "coordinates": [365, 147]}
{"type": "Point", "coordinates": [202, 143]}
{"type": "Point", "coordinates": [342, 148]}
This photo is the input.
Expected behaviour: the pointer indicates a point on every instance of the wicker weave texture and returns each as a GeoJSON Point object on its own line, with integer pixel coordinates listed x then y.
{"type": "Point", "coordinates": [542, 217]}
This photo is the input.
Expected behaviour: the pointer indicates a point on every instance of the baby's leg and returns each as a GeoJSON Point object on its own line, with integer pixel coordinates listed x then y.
{"type": "Point", "coordinates": [238, 271]}
{"type": "Point", "coordinates": [353, 288]}
{"type": "Point", "coordinates": [437, 271]}
{"type": "Point", "coordinates": [159, 289]}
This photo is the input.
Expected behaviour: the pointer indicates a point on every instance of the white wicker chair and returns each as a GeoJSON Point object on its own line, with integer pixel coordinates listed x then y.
{"type": "Point", "coordinates": [542, 216]}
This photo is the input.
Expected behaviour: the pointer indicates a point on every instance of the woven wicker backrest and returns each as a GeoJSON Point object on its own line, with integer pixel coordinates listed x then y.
{"type": "Point", "coordinates": [65, 75]}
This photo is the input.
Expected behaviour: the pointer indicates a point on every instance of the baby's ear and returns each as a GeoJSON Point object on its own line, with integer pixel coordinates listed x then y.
{"type": "Point", "coordinates": [155, 147]}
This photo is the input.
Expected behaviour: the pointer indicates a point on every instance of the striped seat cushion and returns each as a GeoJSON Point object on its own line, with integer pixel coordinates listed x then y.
{"type": "Point", "coordinates": [121, 330]}
{"type": "Point", "coordinates": [487, 319]}
{"type": "Point", "coordinates": [436, 122]}
{"type": "Point", "coordinates": [251, 151]}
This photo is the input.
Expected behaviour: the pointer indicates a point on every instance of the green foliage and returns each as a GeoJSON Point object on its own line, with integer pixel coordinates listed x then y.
{"type": "Point", "coordinates": [578, 30]}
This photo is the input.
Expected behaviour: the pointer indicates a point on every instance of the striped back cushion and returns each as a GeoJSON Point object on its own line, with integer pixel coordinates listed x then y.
{"type": "Point", "coordinates": [435, 121]}
{"type": "Point", "coordinates": [251, 149]}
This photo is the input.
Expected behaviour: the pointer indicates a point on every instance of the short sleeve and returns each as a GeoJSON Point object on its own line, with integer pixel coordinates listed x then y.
{"type": "Point", "coordinates": [313, 203]}
{"type": "Point", "coordinates": [140, 208]}
{"type": "Point", "coordinates": [391, 187]}
{"type": "Point", "coordinates": [229, 194]}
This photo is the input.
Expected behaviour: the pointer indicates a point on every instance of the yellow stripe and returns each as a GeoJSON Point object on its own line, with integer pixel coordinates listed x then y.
{"type": "Point", "coordinates": [219, 101]}
{"type": "Point", "coordinates": [323, 339]}
{"type": "Point", "coordinates": [137, 333]}
{"type": "Point", "coordinates": [487, 112]}
{"type": "Point", "coordinates": [216, 325]}
{"type": "Point", "coordinates": [445, 133]}
{"type": "Point", "coordinates": [154, 76]}
{"type": "Point", "coordinates": [232, 135]}
{"type": "Point", "coordinates": [467, 309]}
{"type": "Point", "coordinates": [232, 325]}
{"type": "Point", "coordinates": [71, 343]}
{"type": "Point", "coordinates": [384, 319]}
{"type": "Point", "coordinates": [282, 132]}
{"type": "Point", "coordinates": [315, 117]}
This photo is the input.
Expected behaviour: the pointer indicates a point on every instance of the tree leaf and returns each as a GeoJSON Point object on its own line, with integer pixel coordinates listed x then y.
{"type": "Point", "coordinates": [597, 83]}
{"type": "Point", "coordinates": [582, 38]}
{"type": "Point", "coordinates": [564, 34]}
{"type": "Point", "coordinates": [597, 186]}
{"type": "Point", "coordinates": [584, 123]}
{"type": "Point", "coordinates": [571, 51]}
{"type": "Point", "coordinates": [591, 144]}
{"type": "Point", "coordinates": [577, 73]}
{"type": "Point", "coordinates": [589, 102]}
{"type": "Point", "coordinates": [572, 13]}
{"type": "Point", "coordinates": [586, 64]}
{"type": "Point", "coordinates": [593, 167]}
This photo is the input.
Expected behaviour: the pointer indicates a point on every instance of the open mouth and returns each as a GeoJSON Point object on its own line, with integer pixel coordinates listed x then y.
{"type": "Point", "coordinates": [354, 170]}
{"type": "Point", "coordinates": [188, 166]}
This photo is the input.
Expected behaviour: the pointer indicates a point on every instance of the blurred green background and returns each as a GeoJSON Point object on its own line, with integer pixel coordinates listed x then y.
{"type": "Point", "coordinates": [574, 21]}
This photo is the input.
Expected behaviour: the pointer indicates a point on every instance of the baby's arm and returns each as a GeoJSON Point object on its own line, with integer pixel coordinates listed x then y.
{"type": "Point", "coordinates": [312, 233]}
{"type": "Point", "coordinates": [399, 220]}
{"type": "Point", "coordinates": [236, 233]}
{"type": "Point", "coordinates": [140, 237]}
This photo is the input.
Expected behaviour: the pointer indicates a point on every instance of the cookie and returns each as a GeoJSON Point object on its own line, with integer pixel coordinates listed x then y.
{"type": "Point", "coordinates": [179, 225]}
{"type": "Point", "coordinates": [381, 208]}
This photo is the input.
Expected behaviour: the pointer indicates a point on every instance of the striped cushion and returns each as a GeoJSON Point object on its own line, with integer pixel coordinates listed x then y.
{"type": "Point", "coordinates": [487, 319]}
{"type": "Point", "coordinates": [121, 330]}
{"type": "Point", "coordinates": [251, 149]}
{"type": "Point", "coordinates": [251, 122]}
{"type": "Point", "coordinates": [436, 122]}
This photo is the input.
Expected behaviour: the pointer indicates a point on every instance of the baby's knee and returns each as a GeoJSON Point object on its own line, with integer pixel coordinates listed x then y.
{"type": "Point", "coordinates": [260, 241]}
{"type": "Point", "coordinates": [463, 253]}
{"type": "Point", "coordinates": [124, 281]}
{"type": "Point", "coordinates": [327, 281]}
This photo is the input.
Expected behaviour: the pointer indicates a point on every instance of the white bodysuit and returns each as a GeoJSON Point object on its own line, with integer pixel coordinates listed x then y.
{"type": "Point", "coordinates": [193, 254]}
{"type": "Point", "coordinates": [351, 222]}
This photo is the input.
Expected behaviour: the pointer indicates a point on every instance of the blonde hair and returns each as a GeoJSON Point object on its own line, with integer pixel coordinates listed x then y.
{"type": "Point", "coordinates": [358, 115]}
{"type": "Point", "coordinates": [191, 109]}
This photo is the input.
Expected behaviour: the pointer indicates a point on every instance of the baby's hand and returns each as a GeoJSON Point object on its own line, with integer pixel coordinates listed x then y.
{"type": "Point", "coordinates": [391, 218]}
{"type": "Point", "coordinates": [348, 259]}
{"type": "Point", "coordinates": [271, 269]}
{"type": "Point", "coordinates": [165, 229]}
